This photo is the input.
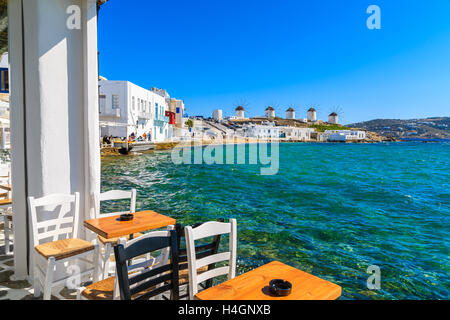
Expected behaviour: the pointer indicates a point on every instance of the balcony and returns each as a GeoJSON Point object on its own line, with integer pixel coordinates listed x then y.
{"type": "Point", "coordinates": [145, 115]}
{"type": "Point", "coordinates": [160, 121]}
{"type": "Point", "coordinates": [110, 113]}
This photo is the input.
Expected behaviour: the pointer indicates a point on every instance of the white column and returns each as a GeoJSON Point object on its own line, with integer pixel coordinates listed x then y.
{"type": "Point", "coordinates": [54, 109]}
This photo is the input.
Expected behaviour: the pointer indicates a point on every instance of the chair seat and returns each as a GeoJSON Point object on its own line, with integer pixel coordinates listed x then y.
{"type": "Point", "coordinates": [184, 274]}
{"type": "Point", "coordinates": [104, 290]}
{"type": "Point", "coordinates": [114, 241]}
{"type": "Point", "coordinates": [65, 248]}
{"type": "Point", "coordinates": [5, 202]}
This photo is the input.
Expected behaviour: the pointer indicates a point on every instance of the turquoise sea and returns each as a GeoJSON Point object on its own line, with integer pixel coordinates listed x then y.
{"type": "Point", "coordinates": [332, 210]}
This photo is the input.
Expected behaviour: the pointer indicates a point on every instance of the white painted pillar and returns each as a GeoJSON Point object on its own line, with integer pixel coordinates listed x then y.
{"type": "Point", "coordinates": [54, 109]}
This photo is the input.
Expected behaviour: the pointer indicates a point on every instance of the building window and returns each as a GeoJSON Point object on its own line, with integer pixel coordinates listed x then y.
{"type": "Point", "coordinates": [133, 103]}
{"type": "Point", "coordinates": [115, 101]}
{"type": "Point", "coordinates": [178, 110]}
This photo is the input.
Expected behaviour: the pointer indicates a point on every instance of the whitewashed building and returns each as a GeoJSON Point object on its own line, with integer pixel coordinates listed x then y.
{"type": "Point", "coordinates": [345, 135]}
{"type": "Point", "coordinates": [177, 107]}
{"type": "Point", "coordinates": [295, 133]}
{"type": "Point", "coordinates": [263, 131]}
{"type": "Point", "coordinates": [134, 110]}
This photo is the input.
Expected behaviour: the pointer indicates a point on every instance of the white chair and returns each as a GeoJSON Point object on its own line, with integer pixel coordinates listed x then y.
{"type": "Point", "coordinates": [6, 215]}
{"type": "Point", "coordinates": [6, 205]}
{"type": "Point", "coordinates": [206, 230]}
{"type": "Point", "coordinates": [108, 289]}
{"type": "Point", "coordinates": [107, 244]}
{"type": "Point", "coordinates": [55, 242]}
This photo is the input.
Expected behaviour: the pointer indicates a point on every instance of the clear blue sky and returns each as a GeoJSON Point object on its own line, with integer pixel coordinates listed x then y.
{"type": "Point", "coordinates": [213, 54]}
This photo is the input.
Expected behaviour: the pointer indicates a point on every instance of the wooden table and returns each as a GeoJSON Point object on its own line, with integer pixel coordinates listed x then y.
{"type": "Point", "coordinates": [111, 227]}
{"type": "Point", "coordinates": [253, 285]}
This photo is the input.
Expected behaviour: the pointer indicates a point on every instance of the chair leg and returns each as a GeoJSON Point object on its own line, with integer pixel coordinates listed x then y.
{"type": "Point", "coordinates": [37, 280]}
{"type": "Point", "coordinates": [51, 263]}
{"type": "Point", "coordinates": [96, 260]}
{"type": "Point", "coordinates": [7, 226]}
{"type": "Point", "coordinates": [106, 257]}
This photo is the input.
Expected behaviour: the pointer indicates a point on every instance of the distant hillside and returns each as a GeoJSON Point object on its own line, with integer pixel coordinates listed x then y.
{"type": "Point", "coordinates": [430, 128]}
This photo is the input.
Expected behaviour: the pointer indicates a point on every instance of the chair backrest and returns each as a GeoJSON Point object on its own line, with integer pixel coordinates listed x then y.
{"type": "Point", "coordinates": [52, 215]}
{"type": "Point", "coordinates": [210, 229]}
{"type": "Point", "coordinates": [147, 279]}
{"type": "Point", "coordinates": [114, 195]}
{"type": "Point", "coordinates": [202, 250]}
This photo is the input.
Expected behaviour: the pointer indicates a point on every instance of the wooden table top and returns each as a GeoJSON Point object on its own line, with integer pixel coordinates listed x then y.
{"type": "Point", "coordinates": [254, 285]}
{"type": "Point", "coordinates": [111, 227]}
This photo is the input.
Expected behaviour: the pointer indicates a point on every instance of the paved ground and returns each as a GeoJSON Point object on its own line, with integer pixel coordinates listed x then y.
{"type": "Point", "coordinates": [11, 290]}
{"type": "Point", "coordinates": [18, 290]}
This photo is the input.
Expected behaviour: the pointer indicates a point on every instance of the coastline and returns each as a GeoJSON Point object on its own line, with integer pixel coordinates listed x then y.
{"type": "Point", "coordinates": [164, 146]}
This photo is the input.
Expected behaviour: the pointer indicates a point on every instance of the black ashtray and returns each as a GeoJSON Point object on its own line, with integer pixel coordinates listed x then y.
{"type": "Point", "coordinates": [126, 217]}
{"type": "Point", "coordinates": [280, 288]}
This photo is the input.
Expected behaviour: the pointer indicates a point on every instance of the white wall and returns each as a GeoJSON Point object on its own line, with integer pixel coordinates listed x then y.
{"type": "Point", "coordinates": [294, 133]}
{"type": "Point", "coordinates": [54, 110]}
{"type": "Point", "coordinates": [262, 131]}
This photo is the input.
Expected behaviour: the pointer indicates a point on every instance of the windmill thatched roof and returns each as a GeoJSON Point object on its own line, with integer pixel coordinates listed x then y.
{"type": "Point", "coordinates": [312, 110]}
{"type": "Point", "coordinates": [290, 110]}
{"type": "Point", "coordinates": [240, 108]}
{"type": "Point", "coordinates": [270, 108]}
{"type": "Point", "coordinates": [333, 114]}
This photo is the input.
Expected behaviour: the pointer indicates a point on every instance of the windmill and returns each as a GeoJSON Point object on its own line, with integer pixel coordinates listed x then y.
{"type": "Point", "coordinates": [241, 106]}
{"type": "Point", "coordinates": [335, 114]}
{"type": "Point", "coordinates": [312, 112]}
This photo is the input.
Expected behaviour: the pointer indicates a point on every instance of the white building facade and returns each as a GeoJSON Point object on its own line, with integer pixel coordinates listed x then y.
{"type": "Point", "coordinates": [345, 135]}
{"type": "Point", "coordinates": [134, 110]}
{"type": "Point", "coordinates": [294, 133]}
{"type": "Point", "coordinates": [262, 131]}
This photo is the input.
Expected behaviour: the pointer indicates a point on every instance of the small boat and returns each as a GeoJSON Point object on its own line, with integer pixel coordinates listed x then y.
{"type": "Point", "coordinates": [136, 146]}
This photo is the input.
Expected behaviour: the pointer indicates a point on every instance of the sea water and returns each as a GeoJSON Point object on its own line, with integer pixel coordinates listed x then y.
{"type": "Point", "coordinates": [333, 210]}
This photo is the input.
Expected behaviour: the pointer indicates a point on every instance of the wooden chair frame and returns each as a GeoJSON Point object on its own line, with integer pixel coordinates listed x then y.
{"type": "Point", "coordinates": [206, 230]}
{"type": "Point", "coordinates": [165, 277]}
{"type": "Point", "coordinates": [112, 195]}
{"type": "Point", "coordinates": [44, 279]}
{"type": "Point", "coordinates": [150, 263]}
{"type": "Point", "coordinates": [201, 251]}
